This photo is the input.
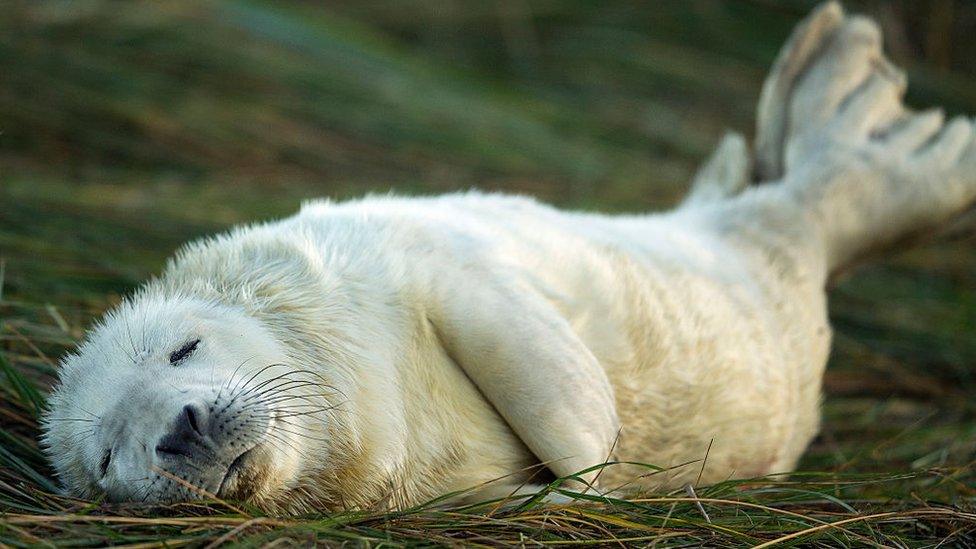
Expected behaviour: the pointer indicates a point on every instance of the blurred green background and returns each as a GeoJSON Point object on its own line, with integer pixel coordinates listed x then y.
{"type": "Point", "coordinates": [127, 128]}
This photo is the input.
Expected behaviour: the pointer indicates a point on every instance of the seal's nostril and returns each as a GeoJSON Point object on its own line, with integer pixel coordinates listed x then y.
{"type": "Point", "coordinates": [106, 459]}
{"type": "Point", "coordinates": [191, 418]}
{"type": "Point", "coordinates": [186, 437]}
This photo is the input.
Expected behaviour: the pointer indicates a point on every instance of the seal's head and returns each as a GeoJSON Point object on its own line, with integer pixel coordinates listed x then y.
{"type": "Point", "coordinates": [175, 398]}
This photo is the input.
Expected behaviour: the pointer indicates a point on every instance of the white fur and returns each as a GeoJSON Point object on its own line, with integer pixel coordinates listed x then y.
{"type": "Point", "coordinates": [467, 337]}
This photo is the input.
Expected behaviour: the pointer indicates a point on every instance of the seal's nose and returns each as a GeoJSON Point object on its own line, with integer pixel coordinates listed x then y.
{"type": "Point", "coordinates": [186, 437]}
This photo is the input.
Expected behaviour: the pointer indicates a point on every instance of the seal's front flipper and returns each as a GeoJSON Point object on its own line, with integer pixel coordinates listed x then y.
{"type": "Point", "coordinates": [528, 362]}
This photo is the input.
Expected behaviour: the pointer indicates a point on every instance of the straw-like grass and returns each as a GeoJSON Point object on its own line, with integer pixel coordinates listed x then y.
{"type": "Point", "coordinates": [126, 129]}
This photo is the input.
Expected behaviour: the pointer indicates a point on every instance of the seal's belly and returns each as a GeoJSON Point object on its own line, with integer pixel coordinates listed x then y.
{"type": "Point", "coordinates": [709, 349]}
{"type": "Point", "coordinates": [702, 364]}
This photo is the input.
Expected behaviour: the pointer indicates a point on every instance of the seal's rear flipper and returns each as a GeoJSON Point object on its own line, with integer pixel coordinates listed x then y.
{"type": "Point", "coordinates": [730, 168]}
{"type": "Point", "coordinates": [773, 115]}
{"type": "Point", "coordinates": [863, 170]}
{"type": "Point", "coordinates": [724, 174]}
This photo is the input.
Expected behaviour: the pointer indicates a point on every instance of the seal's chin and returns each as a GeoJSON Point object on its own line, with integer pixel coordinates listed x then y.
{"type": "Point", "coordinates": [244, 476]}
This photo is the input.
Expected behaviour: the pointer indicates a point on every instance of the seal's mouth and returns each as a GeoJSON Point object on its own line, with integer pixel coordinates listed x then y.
{"type": "Point", "coordinates": [232, 484]}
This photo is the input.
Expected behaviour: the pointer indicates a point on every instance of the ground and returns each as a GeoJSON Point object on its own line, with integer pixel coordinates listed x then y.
{"type": "Point", "coordinates": [125, 132]}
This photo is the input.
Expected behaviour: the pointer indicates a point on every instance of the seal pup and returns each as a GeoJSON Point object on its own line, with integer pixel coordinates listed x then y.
{"type": "Point", "coordinates": [384, 351]}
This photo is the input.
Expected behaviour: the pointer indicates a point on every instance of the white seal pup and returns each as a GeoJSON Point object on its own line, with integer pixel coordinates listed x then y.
{"type": "Point", "coordinates": [389, 350]}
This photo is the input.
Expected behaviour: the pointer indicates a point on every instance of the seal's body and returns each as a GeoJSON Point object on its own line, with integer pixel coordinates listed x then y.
{"type": "Point", "coordinates": [708, 332]}
{"type": "Point", "coordinates": [389, 350]}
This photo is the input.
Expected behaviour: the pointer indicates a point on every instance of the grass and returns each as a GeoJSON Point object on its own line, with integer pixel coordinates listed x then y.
{"type": "Point", "coordinates": [127, 131]}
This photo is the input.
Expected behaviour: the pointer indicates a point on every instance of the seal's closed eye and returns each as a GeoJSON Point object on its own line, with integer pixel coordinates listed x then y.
{"type": "Point", "coordinates": [183, 352]}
